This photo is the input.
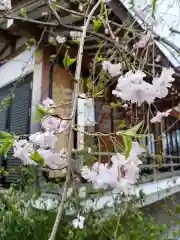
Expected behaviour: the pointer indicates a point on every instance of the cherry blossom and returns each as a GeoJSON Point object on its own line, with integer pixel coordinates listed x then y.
{"type": "Point", "coordinates": [60, 39]}
{"type": "Point", "coordinates": [44, 142]}
{"type": "Point", "coordinates": [47, 139]}
{"type": "Point", "coordinates": [160, 115]}
{"type": "Point", "coordinates": [164, 82]}
{"type": "Point", "coordinates": [132, 87]}
{"type": "Point", "coordinates": [5, 5]}
{"type": "Point", "coordinates": [44, 14]}
{"type": "Point", "coordinates": [112, 69]}
{"type": "Point", "coordinates": [53, 160]}
{"type": "Point", "coordinates": [50, 123]}
{"type": "Point", "coordinates": [23, 150]}
{"type": "Point", "coordinates": [78, 222]}
{"type": "Point", "coordinates": [75, 35]}
{"type": "Point", "coordinates": [48, 103]}
{"type": "Point", "coordinates": [122, 171]}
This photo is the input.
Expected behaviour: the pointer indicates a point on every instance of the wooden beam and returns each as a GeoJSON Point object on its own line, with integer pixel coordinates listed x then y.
{"type": "Point", "coordinates": [4, 49]}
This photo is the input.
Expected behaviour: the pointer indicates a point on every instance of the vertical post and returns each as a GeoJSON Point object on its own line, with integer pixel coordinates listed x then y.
{"type": "Point", "coordinates": [36, 88]}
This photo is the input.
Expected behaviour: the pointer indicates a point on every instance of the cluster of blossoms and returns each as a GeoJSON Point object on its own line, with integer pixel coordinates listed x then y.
{"type": "Point", "coordinates": [42, 145]}
{"type": "Point", "coordinates": [132, 87]}
{"type": "Point", "coordinates": [5, 5]}
{"type": "Point", "coordinates": [119, 175]}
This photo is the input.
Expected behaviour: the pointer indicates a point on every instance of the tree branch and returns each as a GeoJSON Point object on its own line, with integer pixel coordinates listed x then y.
{"type": "Point", "coordinates": [48, 24]}
{"type": "Point", "coordinates": [75, 100]}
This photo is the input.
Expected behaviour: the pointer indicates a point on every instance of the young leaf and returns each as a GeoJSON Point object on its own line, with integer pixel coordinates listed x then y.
{"type": "Point", "coordinates": [128, 145]}
{"type": "Point", "coordinates": [7, 148]}
{"type": "Point", "coordinates": [132, 131]}
{"type": "Point", "coordinates": [97, 23]}
{"type": "Point", "coordinates": [122, 237]}
{"type": "Point", "coordinates": [89, 84]}
{"type": "Point", "coordinates": [67, 61]}
{"type": "Point", "coordinates": [4, 134]}
{"type": "Point", "coordinates": [100, 59]}
{"type": "Point", "coordinates": [122, 123]}
{"type": "Point", "coordinates": [115, 105]}
{"type": "Point", "coordinates": [74, 41]}
{"type": "Point", "coordinates": [54, 5]}
{"type": "Point", "coordinates": [40, 112]}
{"type": "Point", "coordinates": [37, 157]}
{"type": "Point", "coordinates": [153, 7]}
{"type": "Point", "coordinates": [23, 12]}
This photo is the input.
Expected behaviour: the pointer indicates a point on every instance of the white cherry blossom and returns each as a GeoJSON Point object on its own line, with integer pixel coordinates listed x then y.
{"type": "Point", "coordinates": [122, 171]}
{"type": "Point", "coordinates": [53, 160]}
{"type": "Point", "coordinates": [48, 103]}
{"type": "Point", "coordinates": [47, 139]}
{"type": "Point", "coordinates": [23, 150]}
{"type": "Point", "coordinates": [78, 222]}
{"type": "Point", "coordinates": [5, 5]}
{"type": "Point", "coordinates": [112, 69]}
{"type": "Point", "coordinates": [75, 35]}
{"type": "Point", "coordinates": [44, 14]}
{"type": "Point", "coordinates": [160, 115]}
{"type": "Point", "coordinates": [50, 123]}
{"type": "Point", "coordinates": [60, 39]}
{"type": "Point", "coordinates": [132, 87]}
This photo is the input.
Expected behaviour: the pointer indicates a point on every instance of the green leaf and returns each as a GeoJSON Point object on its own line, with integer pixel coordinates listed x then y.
{"type": "Point", "coordinates": [54, 5]}
{"type": "Point", "coordinates": [67, 61]}
{"type": "Point", "coordinates": [23, 12]}
{"type": "Point", "coordinates": [121, 237]}
{"type": "Point", "coordinates": [4, 134]}
{"type": "Point", "coordinates": [132, 3]}
{"type": "Point", "coordinates": [89, 160]}
{"type": "Point", "coordinates": [128, 145]}
{"type": "Point", "coordinates": [143, 146]}
{"type": "Point", "coordinates": [97, 23]}
{"type": "Point", "coordinates": [75, 41]}
{"type": "Point", "coordinates": [100, 59]}
{"type": "Point", "coordinates": [90, 84]}
{"type": "Point", "coordinates": [153, 7]}
{"type": "Point", "coordinates": [122, 123]}
{"type": "Point", "coordinates": [32, 41]}
{"type": "Point", "coordinates": [115, 105]}
{"type": "Point", "coordinates": [132, 131]}
{"type": "Point", "coordinates": [7, 148]}
{"type": "Point", "coordinates": [37, 157]}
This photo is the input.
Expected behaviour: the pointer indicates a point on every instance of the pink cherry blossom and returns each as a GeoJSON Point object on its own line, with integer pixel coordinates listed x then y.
{"type": "Point", "coordinates": [47, 139]}
{"type": "Point", "coordinates": [112, 69]}
{"type": "Point", "coordinates": [48, 103]}
{"type": "Point", "coordinates": [160, 115]}
{"type": "Point", "coordinates": [23, 150]}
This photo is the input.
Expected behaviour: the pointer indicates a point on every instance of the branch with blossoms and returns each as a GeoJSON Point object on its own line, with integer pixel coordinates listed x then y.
{"type": "Point", "coordinates": [123, 66]}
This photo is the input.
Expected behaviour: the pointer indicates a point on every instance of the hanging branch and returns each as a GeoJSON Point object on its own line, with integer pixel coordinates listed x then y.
{"type": "Point", "coordinates": [75, 100]}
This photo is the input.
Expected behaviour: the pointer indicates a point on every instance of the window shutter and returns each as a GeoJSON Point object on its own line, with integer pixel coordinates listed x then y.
{"type": "Point", "coordinates": [3, 125]}
{"type": "Point", "coordinates": [19, 119]}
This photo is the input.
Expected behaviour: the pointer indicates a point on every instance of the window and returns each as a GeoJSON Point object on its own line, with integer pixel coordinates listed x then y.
{"type": "Point", "coordinates": [15, 118]}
